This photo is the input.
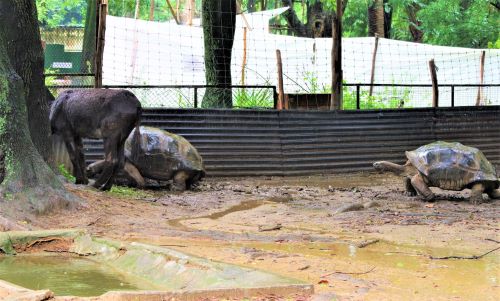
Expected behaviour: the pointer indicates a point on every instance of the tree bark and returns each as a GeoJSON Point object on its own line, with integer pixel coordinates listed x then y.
{"type": "Point", "coordinates": [89, 38]}
{"type": "Point", "coordinates": [19, 20]}
{"type": "Point", "coordinates": [387, 19]}
{"type": "Point", "coordinates": [376, 18]}
{"type": "Point", "coordinates": [411, 11]}
{"type": "Point", "coordinates": [27, 185]}
{"type": "Point", "coordinates": [219, 24]}
{"type": "Point", "coordinates": [319, 21]}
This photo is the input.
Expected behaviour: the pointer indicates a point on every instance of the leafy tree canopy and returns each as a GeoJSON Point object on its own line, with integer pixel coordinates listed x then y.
{"type": "Point", "coordinates": [465, 23]}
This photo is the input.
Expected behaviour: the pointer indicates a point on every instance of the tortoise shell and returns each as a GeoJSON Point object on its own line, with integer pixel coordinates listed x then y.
{"type": "Point", "coordinates": [452, 165]}
{"type": "Point", "coordinates": [162, 154]}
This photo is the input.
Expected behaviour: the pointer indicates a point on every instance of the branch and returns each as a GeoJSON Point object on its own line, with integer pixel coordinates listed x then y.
{"type": "Point", "coordinates": [466, 257]}
{"type": "Point", "coordinates": [354, 273]}
{"type": "Point", "coordinates": [293, 21]}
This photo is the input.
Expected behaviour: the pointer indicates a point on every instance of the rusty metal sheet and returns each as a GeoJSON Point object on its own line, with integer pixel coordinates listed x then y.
{"type": "Point", "coordinates": [270, 142]}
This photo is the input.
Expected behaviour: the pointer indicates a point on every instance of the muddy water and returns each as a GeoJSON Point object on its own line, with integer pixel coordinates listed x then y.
{"type": "Point", "coordinates": [380, 271]}
{"type": "Point", "coordinates": [243, 206]}
{"type": "Point", "coordinates": [63, 275]}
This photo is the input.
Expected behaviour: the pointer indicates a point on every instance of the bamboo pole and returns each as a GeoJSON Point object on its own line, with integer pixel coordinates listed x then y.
{"type": "Point", "coordinates": [481, 78]}
{"type": "Point", "coordinates": [172, 11]}
{"type": "Point", "coordinates": [374, 59]}
{"type": "Point", "coordinates": [101, 32]}
{"type": "Point", "coordinates": [281, 90]}
{"type": "Point", "coordinates": [151, 10]}
{"type": "Point", "coordinates": [136, 13]}
{"type": "Point", "coordinates": [190, 4]}
{"type": "Point", "coordinates": [435, 92]}
{"type": "Point", "coordinates": [244, 62]}
{"type": "Point", "coordinates": [336, 97]}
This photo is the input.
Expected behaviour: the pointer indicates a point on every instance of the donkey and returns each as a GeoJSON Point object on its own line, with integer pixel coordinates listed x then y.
{"type": "Point", "coordinates": [106, 114]}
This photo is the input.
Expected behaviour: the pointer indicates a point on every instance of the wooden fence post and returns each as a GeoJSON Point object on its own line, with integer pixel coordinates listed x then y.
{"type": "Point", "coordinates": [374, 58]}
{"type": "Point", "coordinates": [336, 97]}
{"type": "Point", "coordinates": [435, 91]}
{"type": "Point", "coordinates": [151, 10]}
{"type": "Point", "coordinates": [281, 90]}
{"type": "Point", "coordinates": [244, 60]}
{"type": "Point", "coordinates": [101, 32]}
{"type": "Point", "coordinates": [481, 79]}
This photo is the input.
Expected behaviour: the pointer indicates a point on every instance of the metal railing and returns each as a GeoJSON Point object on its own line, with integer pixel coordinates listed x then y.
{"type": "Point", "coordinates": [356, 96]}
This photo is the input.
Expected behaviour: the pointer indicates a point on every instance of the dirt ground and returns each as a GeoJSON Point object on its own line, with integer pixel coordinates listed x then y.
{"type": "Point", "coordinates": [354, 236]}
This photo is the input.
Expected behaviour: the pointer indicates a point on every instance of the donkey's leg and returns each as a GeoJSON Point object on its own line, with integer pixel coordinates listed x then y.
{"type": "Point", "coordinates": [110, 162]}
{"type": "Point", "coordinates": [120, 159]}
{"type": "Point", "coordinates": [81, 159]}
{"type": "Point", "coordinates": [73, 156]}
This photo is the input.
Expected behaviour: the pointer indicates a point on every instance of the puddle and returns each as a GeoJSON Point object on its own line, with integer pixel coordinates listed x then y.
{"type": "Point", "coordinates": [409, 269]}
{"type": "Point", "coordinates": [116, 270]}
{"type": "Point", "coordinates": [398, 270]}
{"type": "Point", "coordinates": [64, 275]}
{"type": "Point", "coordinates": [243, 206]}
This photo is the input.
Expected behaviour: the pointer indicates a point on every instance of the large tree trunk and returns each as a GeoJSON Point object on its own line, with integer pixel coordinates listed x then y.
{"type": "Point", "coordinates": [89, 38]}
{"type": "Point", "coordinates": [387, 19]}
{"type": "Point", "coordinates": [219, 23]}
{"type": "Point", "coordinates": [376, 18]}
{"type": "Point", "coordinates": [411, 11]}
{"type": "Point", "coordinates": [24, 49]}
{"type": "Point", "coordinates": [27, 184]}
{"type": "Point", "coordinates": [319, 20]}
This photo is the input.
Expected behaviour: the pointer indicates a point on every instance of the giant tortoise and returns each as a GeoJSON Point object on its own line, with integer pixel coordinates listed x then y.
{"type": "Point", "coordinates": [447, 165]}
{"type": "Point", "coordinates": [160, 156]}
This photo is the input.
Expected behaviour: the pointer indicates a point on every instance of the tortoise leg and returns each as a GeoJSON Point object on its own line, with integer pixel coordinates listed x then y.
{"type": "Point", "coordinates": [476, 196]}
{"type": "Point", "coordinates": [180, 179]}
{"type": "Point", "coordinates": [95, 168]}
{"type": "Point", "coordinates": [134, 173]}
{"type": "Point", "coordinates": [410, 191]}
{"type": "Point", "coordinates": [421, 188]}
{"type": "Point", "coordinates": [494, 193]}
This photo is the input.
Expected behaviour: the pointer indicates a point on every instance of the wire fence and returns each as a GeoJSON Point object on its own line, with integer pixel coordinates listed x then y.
{"type": "Point", "coordinates": [159, 55]}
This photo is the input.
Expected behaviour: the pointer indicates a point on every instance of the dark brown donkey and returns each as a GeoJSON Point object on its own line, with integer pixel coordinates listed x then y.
{"type": "Point", "coordinates": [96, 114]}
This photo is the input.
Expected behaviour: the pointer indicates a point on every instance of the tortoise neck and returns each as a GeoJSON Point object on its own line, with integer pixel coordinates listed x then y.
{"type": "Point", "coordinates": [393, 167]}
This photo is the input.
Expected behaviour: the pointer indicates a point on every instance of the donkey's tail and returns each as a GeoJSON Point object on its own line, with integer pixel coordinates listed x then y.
{"type": "Point", "coordinates": [136, 139]}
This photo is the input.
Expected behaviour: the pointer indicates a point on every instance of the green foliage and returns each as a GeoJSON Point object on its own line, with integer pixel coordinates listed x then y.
{"type": "Point", "coordinates": [463, 23]}
{"type": "Point", "coordinates": [253, 98]}
{"type": "Point", "coordinates": [495, 45]}
{"type": "Point", "coordinates": [52, 13]}
{"type": "Point", "coordinates": [386, 100]}
{"type": "Point", "coordinates": [65, 173]}
{"type": "Point", "coordinates": [128, 192]}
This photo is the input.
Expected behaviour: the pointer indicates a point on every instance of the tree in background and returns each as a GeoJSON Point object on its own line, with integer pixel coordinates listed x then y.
{"type": "Point", "coordinates": [89, 37]}
{"type": "Point", "coordinates": [19, 21]}
{"type": "Point", "coordinates": [27, 184]}
{"type": "Point", "coordinates": [219, 24]}
{"type": "Point", "coordinates": [319, 16]}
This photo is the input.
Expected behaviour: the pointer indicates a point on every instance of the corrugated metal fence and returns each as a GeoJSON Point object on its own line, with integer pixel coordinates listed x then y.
{"type": "Point", "coordinates": [260, 142]}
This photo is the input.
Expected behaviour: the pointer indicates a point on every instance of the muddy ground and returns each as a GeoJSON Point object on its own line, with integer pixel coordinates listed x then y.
{"type": "Point", "coordinates": [297, 227]}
